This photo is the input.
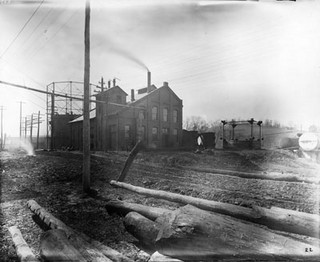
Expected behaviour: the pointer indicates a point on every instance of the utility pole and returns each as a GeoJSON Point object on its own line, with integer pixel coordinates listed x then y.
{"type": "Point", "coordinates": [20, 132]}
{"type": "Point", "coordinates": [31, 125]}
{"type": "Point", "coordinates": [101, 84]}
{"type": "Point", "coordinates": [38, 130]}
{"type": "Point", "coordinates": [2, 144]}
{"type": "Point", "coordinates": [25, 127]}
{"type": "Point", "coordinates": [86, 103]}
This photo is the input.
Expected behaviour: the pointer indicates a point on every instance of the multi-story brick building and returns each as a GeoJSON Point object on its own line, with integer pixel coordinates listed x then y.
{"type": "Point", "coordinates": [155, 118]}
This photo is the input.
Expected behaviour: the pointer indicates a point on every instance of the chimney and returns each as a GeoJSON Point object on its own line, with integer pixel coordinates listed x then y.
{"type": "Point", "coordinates": [109, 84]}
{"type": "Point", "coordinates": [132, 95]}
{"type": "Point", "coordinates": [114, 82]}
{"type": "Point", "coordinates": [165, 84]}
{"type": "Point", "coordinates": [149, 81]}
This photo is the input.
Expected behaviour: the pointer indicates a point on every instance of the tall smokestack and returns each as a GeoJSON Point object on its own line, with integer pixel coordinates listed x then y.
{"type": "Point", "coordinates": [149, 81]}
{"type": "Point", "coordinates": [132, 95]}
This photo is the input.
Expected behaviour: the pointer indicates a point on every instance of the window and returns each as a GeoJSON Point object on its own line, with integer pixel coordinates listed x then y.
{"type": "Point", "coordinates": [154, 113]}
{"type": "Point", "coordinates": [126, 131]}
{"type": "Point", "coordinates": [142, 133]}
{"type": "Point", "coordinates": [154, 133]}
{"type": "Point", "coordinates": [175, 134]}
{"type": "Point", "coordinates": [141, 115]}
{"type": "Point", "coordinates": [175, 116]}
{"type": "Point", "coordinates": [113, 128]}
{"type": "Point", "coordinates": [165, 114]}
{"type": "Point", "coordinates": [165, 131]}
{"type": "Point", "coordinates": [119, 99]}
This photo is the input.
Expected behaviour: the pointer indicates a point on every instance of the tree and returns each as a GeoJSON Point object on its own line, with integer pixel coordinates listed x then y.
{"type": "Point", "coordinates": [313, 128]}
{"type": "Point", "coordinates": [196, 123]}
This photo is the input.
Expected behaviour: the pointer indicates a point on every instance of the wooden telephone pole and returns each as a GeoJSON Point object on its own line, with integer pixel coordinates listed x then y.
{"type": "Point", "coordinates": [2, 139]}
{"type": "Point", "coordinates": [86, 103]}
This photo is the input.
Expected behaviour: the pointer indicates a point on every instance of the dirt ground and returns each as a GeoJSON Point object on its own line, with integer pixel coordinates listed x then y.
{"type": "Point", "coordinates": [53, 179]}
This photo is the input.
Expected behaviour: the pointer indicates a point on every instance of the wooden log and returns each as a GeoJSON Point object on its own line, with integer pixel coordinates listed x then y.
{"type": "Point", "coordinates": [281, 219]}
{"type": "Point", "coordinates": [142, 228]}
{"type": "Point", "coordinates": [127, 164]}
{"type": "Point", "coordinates": [157, 257]}
{"type": "Point", "coordinates": [192, 233]}
{"type": "Point", "coordinates": [55, 246]}
{"type": "Point", "coordinates": [255, 175]}
{"type": "Point", "coordinates": [112, 254]}
{"type": "Point", "coordinates": [24, 252]}
{"type": "Point", "coordinates": [289, 221]}
{"type": "Point", "coordinates": [123, 208]}
{"type": "Point", "coordinates": [91, 249]}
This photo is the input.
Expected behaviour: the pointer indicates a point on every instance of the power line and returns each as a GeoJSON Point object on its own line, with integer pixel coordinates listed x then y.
{"type": "Point", "coordinates": [38, 50]}
{"type": "Point", "coordinates": [12, 42]}
{"type": "Point", "coordinates": [26, 75]}
{"type": "Point", "coordinates": [35, 29]}
{"type": "Point", "coordinates": [47, 28]}
{"type": "Point", "coordinates": [2, 138]}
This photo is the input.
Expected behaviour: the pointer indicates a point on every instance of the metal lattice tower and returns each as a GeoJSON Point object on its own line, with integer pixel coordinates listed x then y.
{"type": "Point", "coordinates": [64, 106]}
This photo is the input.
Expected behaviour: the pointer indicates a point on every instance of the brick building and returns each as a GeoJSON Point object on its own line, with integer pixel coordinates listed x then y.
{"type": "Point", "coordinates": [155, 117]}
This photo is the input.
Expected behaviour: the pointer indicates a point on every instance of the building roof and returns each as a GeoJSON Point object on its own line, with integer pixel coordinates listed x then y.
{"type": "Point", "coordinates": [80, 118]}
{"type": "Point", "coordinates": [128, 105]}
{"type": "Point", "coordinates": [154, 91]}
{"type": "Point", "coordinates": [133, 104]}
{"type": "Point", "coordinates": [110, 89]}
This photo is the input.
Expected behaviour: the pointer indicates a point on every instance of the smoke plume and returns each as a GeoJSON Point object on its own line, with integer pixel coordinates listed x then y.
{"type": "Point", "coordinates": [114, 47]}
{"type": "Point", "coordinates": [129, 56]}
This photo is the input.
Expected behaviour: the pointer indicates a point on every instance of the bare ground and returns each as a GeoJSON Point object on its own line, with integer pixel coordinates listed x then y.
{"type": "Point", "coordinates": [53, 179]}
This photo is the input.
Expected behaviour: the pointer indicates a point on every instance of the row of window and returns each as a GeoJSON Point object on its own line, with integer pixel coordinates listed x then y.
{"type": "Point", "coordinates": [155, 132]}
{"type": "Point", "coordinates": [165, 131]}
{"type": "Point", "coordinates": [155, 114]}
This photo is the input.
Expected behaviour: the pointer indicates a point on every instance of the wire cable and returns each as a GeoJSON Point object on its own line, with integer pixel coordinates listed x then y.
{"type": "Point", "coordinates": [24, 26]}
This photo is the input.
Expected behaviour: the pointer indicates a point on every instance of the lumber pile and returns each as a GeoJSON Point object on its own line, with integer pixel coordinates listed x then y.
{"type": "Point", "coordinates": [204, 229]}
{"type": "Point", "coordinates": [274, 218]}
{"type": "Point", "coordinates": [62, 243]}
{"type": "Point", "coordinates": [192, 232]}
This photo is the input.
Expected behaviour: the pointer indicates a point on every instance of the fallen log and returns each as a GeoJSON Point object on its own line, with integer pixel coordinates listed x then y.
{"type": "Point", "coordinates": [23, 251]}
{"type": "Point", "coordinates": [281, 219]}
{"type": "Point", "coordinates": [91, 249]}
{"type": "Point", "coordinates": [123, 208]}
{"type": "Point", "coordinates": [256, 175]}
{"type": "Point", "coordinates": [192, 233]}
{"type": "Point", "coordinates": [142, 228]}
{"type": "Point", "coordinates": [289, 221]}
{"type": "Point", "coordinates": [55, 246]}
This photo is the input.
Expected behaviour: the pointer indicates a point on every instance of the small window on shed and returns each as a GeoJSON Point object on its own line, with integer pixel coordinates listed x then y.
{"type": "Point", "coordinates": [119, 99]}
